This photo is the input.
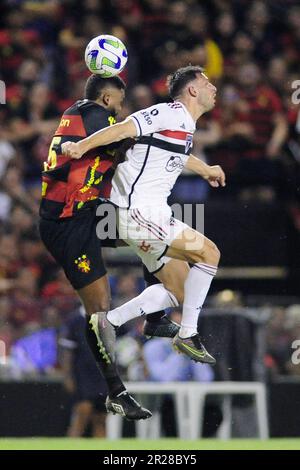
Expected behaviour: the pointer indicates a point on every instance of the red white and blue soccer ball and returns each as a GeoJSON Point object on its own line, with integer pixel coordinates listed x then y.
{"type": "Point", "coordinates": [106, 55]}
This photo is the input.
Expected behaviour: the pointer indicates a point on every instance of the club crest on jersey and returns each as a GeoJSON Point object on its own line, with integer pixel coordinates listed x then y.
{"type": "Point", "coordinates": [83, 264]}
{"type": "Point", "coordinates": [145, 247]}
{"type": "Point", "coordinates": [188, 143]}
{"type": "Point", "coordinates": [174, 163]}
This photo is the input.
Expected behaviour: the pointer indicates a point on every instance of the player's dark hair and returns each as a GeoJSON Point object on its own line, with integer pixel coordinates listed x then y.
{"type": "Point", "coordinates": [95, 84]}
{"type": "Point", "coordinates": [179, 79]}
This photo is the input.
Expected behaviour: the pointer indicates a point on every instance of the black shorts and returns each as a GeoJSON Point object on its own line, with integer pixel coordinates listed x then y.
{"type": "Point", "coordinates": [74, 244]}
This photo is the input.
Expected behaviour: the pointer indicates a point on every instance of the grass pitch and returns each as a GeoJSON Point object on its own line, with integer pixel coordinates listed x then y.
{"type": "Point", "coordinates": [136, 444]}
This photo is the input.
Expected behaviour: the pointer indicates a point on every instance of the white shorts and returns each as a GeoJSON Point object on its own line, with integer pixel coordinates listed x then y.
{"type": "Point", "coordinates": [149, 231]}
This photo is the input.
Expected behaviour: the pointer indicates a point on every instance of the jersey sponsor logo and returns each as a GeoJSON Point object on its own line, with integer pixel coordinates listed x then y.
{"type": "Point", "coordinates": [188, 142]}
{"type": "Point", "coordinates": [147, 117]}
{"type": "Point", "coordinates": [174, 163]}
{"type": "Point", "coordinates": [71, 125]}
{"type": "Point", "coordinates": [64, 122]}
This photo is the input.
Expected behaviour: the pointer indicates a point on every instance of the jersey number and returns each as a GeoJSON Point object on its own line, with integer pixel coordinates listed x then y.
{"type": "Point", "coordinates": [52, 156]}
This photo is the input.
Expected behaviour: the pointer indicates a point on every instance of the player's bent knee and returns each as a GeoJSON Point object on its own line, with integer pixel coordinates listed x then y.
{"type": "Point", "coordinates": [96, 306]}
{"type": "Point", "coordinates": [177, 291]}
{"type": "Point", "coordinates": [174, 288]}
{"type": "Point", "coordinates": [216, 255]}
{"type": "Point", "coordinates": [195, 257]}
{"type": "Point", "coordinates": [210, 255]}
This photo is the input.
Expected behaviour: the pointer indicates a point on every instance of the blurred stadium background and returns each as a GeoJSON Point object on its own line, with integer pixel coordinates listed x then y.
{"type": "Point", "coordinates": [251, 51]}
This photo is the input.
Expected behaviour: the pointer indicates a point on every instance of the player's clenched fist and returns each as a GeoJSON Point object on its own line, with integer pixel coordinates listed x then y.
{"type": "Point", "coordinates": [71, 149]}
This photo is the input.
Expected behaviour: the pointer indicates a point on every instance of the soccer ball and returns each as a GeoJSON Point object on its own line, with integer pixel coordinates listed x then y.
{"type": "Point", "coordinates": [105, 55]}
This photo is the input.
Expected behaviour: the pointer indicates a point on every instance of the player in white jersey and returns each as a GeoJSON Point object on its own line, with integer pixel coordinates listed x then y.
{"type": "Point", "coordinates": [141, 186]}
{"type": "Point", "coordinates": [157, 159]}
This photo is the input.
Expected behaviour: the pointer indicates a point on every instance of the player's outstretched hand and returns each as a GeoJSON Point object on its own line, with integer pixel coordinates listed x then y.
{"type": "Point", "coordinates": [216, 176]}
{"type": "Point", "coordinates": [71, 149]}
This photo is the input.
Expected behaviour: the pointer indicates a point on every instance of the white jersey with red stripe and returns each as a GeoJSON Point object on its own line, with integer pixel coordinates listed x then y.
{"type": "Point", "coordinates": [152, 166]}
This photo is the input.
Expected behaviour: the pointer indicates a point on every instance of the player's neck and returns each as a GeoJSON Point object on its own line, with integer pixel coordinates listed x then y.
{"type": "Point", "coordinates": [193, 108]}
{"type": "Point", "coordinates": [101, 103]}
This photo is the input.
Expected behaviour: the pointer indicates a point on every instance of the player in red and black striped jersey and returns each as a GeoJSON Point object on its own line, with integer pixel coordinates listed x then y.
{"type": "Point", "coordinates": [70, 197]}
{"type": "Point", "coordinates": [68, 185]}
{"type": "Point", "coordinates": [71, 190]}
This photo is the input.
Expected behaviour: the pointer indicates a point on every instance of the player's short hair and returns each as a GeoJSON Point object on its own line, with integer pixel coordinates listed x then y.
{"type": "Point", "coordinates": [179, 79]}
{"type": "Point", "coordinates": [95, 84]}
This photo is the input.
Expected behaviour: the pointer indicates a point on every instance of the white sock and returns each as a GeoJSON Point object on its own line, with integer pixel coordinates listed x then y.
{"type": "Point", "coordinates": [152, 299]}
{"type": "Point", "coordinates": [196, 288]}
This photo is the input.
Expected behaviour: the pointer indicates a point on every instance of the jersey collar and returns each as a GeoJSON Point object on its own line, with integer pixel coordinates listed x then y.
{"type": "Point", "coordinates": [188, 113]}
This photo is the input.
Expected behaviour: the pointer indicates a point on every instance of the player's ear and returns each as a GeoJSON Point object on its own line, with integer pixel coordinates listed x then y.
{"type": "Point", "coordinates": [106, 98]}
{"type": "Point", "coordinates": [192, 91]}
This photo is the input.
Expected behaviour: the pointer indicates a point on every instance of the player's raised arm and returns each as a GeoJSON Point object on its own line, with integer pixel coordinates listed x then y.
{"type": "Point", "coordinates": [213, 174]}
{"type": "Point", "coordinates": [105, 136]}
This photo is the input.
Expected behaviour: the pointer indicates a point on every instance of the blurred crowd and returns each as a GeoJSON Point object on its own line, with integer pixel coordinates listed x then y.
{"type": "Point", "coordinates": [250, 51]}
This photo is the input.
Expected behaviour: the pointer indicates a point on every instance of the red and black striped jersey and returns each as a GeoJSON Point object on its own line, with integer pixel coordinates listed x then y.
{"type": "Point", "coordinates": [70, 185]}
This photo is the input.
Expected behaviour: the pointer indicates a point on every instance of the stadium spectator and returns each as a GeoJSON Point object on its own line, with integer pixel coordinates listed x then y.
{"type": "Point", "coordinates": [33, 123]}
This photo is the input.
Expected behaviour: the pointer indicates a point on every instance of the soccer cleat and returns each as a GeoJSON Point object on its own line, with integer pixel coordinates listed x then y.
{"type": "Point", "coordinates": [125, 405]}
{"type": "Point", "coordinates": [193, 348]}
{"type": "Point", "coordinates": [105, 334]}
{"type": "Point", "coordinates": [162, 328]}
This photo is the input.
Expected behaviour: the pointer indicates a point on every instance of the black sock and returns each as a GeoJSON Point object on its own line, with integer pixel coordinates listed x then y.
{"type": "Point", "coordinates": [109, 371]}
{"type": "Point", "coordinates": [151, 280]}
{"type": "Point", "coordinates": [156, 316]}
